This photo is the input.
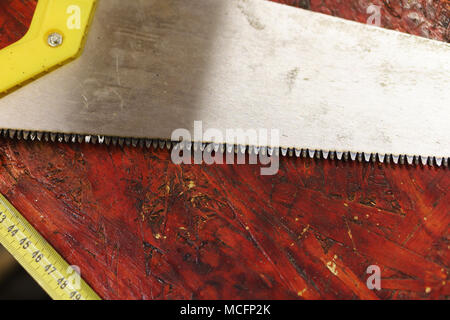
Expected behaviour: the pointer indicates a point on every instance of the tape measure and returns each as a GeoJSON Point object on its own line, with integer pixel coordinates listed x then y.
{"type": "Point", "coordinates": [39, 259]}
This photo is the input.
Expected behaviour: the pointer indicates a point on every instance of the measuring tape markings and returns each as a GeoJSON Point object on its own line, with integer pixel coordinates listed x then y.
{"type": "Point", "coordinates": [39, 258]}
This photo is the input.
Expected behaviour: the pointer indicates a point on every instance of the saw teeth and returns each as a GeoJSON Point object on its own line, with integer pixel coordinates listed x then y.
{"type": "Point", "coordinates": [291, 152]}
{"type": "Point", "coordinates": [395, 159]}
{"type": "Point", "coordinates": [423, 160]}
{"type": "Point", "coordinates": [346, 156]}
{"type": "Point", "coordinates": [263, 151]}
{"type": "Point", "coordinates": [410, 159]}
{"type": "Point", "coordinates": [332, 155]}
{"type": "Point", "coordinates": [402, 159]}
{"type": "Point", "coordinates": [237, 149]}
{"type": "Point", "coordinates": [360, 157]}
{"type": "Point", "coordinates": [304, 153]}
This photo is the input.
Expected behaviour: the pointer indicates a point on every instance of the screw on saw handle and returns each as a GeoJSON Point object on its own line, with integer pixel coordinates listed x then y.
{"type": "Point", "coordinates": [55, 37]}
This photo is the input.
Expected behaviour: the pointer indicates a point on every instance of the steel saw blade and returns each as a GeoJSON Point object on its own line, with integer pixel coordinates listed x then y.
{"type": "Point", "coordinates": [151, 67]}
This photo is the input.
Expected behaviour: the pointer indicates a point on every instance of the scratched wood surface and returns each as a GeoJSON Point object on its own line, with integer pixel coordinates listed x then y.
{"type": "Point", "coordinates": [141, 227]}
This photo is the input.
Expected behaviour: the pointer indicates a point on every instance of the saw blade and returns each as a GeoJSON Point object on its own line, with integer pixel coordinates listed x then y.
{"type": "Point", "coordinates": [328, 85]}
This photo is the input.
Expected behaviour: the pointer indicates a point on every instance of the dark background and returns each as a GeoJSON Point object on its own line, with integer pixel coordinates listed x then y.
{"type": "Point", "coordinates": [15, 283]}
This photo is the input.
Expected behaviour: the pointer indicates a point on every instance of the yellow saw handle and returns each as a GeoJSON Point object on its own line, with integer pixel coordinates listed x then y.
{"type": "Point", "coordinates": [55, 37]}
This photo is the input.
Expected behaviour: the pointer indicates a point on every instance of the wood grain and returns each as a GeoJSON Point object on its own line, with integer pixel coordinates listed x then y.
{"type": "Point", "coordinates": [141, 227]}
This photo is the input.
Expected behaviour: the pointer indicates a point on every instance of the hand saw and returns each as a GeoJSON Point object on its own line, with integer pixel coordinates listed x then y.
{"type": "Point", "coordinates": [332, 87]}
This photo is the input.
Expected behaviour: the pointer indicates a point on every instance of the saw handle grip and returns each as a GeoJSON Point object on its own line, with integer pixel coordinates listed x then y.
{"type": "Point", "coordinates": [56, 36]}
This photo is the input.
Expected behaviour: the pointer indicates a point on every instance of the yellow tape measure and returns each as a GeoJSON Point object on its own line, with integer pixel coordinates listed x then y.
{"type": "Point", "coordinates": [39, 259]}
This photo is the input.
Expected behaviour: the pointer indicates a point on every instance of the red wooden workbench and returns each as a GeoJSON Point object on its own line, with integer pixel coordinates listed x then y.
{"type": "Point", "coordinates": [142, 227]}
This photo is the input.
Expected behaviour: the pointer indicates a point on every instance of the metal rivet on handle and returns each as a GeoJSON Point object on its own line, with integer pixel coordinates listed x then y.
{"type": "Point", "coordinates": [55, 39]}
